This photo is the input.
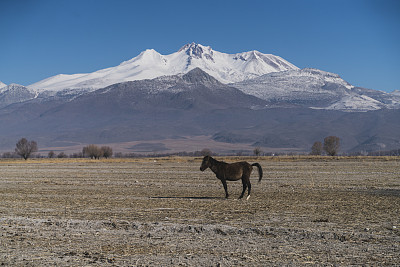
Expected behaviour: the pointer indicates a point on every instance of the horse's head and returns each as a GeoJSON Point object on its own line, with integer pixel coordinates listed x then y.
{"type": "Point", "coordinates": [206, 163]}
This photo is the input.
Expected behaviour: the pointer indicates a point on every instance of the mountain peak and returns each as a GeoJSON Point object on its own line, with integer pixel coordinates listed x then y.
{"type": "Point", "coordinates": [14, 93]}
{"type": "Point", "coordinates": [149, 52]}
{"type": "Point", "coordinates": [146, 57]}
{"type": "Point", "coordinates": [193, 46]}
{"type": "Point", "coordinates": [197, 51]}
{"type": "Point", "coordinates": [14, 85]}
{"type": "Point", "coordinates": [9, 87]}
{"type": "Point", "coordinates": [197, 75]}
{"type": "Point", "coordinates": [2, 85]}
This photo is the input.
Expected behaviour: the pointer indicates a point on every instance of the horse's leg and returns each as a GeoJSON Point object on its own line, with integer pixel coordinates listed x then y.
{"type": "Point", "coordinates": [249, 187]}
{"type": "Point", "coordinates": [244, 188]}
{"type": "Point", "coordinates": [225, 187]}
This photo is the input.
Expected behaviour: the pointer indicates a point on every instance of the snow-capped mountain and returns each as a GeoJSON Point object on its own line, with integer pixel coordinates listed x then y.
{"type": "Point", "coordinates": [265, 76]}
{"type": "Point", "coordinates": [317, 89]}
{"type": "Point", "coordinates": [227, 68]}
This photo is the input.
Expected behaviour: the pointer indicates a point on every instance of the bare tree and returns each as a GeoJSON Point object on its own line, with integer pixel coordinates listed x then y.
{"type": "Point", "coordinates": [331, 145]}
{"type": "Point", "coordinates": [257, 151]}
{"type": "Point", "coordinates": [51, 154]}
{"type": "Point", "coordinates": [107, 151]}
{"type": "Point", "coordinates": [92, 151]}
{"type": "Point", "coordinates": [25, 148]}
{"type": "Point", "coordinates": [316, 149]}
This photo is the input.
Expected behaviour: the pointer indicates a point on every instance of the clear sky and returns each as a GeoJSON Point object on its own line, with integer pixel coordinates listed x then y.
{"type": "Point", "coordinates": [357, 39]}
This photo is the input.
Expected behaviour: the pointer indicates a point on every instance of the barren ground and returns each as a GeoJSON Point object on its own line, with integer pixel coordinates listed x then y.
{"type": "Point", "coordinates": [166, 212]}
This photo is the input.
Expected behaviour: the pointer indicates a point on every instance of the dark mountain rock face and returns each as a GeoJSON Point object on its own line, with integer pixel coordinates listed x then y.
{"type": "Point", "coordinates": [197, 76]}
{"type": "Point", "coordinates": [138, 110]}
{"type": "Point", "coordinates": [194, 50]}
{"type": "Point", "coordinates": [299, 128]}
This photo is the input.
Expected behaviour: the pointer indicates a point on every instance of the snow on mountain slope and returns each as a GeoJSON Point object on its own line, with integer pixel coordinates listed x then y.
{"type": "Point", "coordinates": [289, 84]}
{"type": "Point", "coordinates": [309, 88]}
{"type": "Point", "coordinates": [356, 102]}
{"type": "Point", "coordinates": [227, 68]}
{"type": "Point", "coordinates": [14, 93]}
{"type": "Point", "coordinates": [396, 92]}
{"type": "Point", "coordinates": [389, 100]}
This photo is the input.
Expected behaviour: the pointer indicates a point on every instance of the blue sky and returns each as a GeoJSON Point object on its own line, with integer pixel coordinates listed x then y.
{"type": "Point", "coordinates": [357, 39]}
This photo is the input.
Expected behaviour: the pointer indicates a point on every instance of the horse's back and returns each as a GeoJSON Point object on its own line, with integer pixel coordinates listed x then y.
{"type": "Point", "coordinates": [243, 166]}
{"type": "Point", "coordinates": [240, 164]}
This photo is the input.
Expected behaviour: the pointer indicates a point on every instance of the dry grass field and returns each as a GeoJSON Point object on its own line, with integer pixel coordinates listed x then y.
{"type": "Point", "coordinates": [165, 212]}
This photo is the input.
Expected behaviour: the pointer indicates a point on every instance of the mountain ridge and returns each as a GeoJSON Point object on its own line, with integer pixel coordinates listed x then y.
{"type": "Point", "coordinates": [150, 64]}
{"type": "Point", "coordinates": [317, 89]}
{"type": "Point", "coordinates": [265, 76]}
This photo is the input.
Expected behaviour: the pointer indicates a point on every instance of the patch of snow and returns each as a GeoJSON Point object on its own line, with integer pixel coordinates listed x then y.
{"type": "Point", "coordinates": [356, 102]}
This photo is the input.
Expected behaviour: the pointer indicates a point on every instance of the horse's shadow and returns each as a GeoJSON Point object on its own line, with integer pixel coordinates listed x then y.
{"type": "Point", "coordinates": [177, 197]}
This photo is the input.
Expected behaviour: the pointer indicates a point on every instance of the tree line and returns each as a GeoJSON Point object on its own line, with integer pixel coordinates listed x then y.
{"type": "Point", "coordinates": [90, 151]}
{"type": "Point", "coordinates": [331, 146]}
{"type": "Point", "coordinates": [25, 149]}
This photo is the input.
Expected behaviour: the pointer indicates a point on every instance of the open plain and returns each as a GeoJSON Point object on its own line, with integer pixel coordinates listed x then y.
{"type": "Point", "coordinates": [165, 212]}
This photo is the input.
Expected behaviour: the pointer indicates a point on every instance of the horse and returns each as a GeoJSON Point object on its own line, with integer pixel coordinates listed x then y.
{"type": "Point", "coordinates": [232, 172]}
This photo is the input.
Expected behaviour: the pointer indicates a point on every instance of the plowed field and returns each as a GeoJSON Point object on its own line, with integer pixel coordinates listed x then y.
{"type": "Point", "coordinates": [165, 212]}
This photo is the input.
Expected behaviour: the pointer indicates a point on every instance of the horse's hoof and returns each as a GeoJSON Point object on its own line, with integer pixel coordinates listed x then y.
{"type": "Point", "coordinates": [248, 197]}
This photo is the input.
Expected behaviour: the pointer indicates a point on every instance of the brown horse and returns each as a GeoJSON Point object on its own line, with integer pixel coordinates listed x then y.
{"type": "Point", "coordinates": [232, 172]}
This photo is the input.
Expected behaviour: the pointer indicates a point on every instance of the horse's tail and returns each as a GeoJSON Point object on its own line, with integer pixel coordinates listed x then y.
{"type": "Point", "coordinates": [260, 171]}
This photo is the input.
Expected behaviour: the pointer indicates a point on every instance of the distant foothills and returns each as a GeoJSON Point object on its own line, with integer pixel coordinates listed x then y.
{"type": "Point", "coordinates": [199, 98]}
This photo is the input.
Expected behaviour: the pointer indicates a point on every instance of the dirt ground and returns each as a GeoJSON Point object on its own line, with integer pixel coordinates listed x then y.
{"type": "Point", "coordinates": [165, 212]}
